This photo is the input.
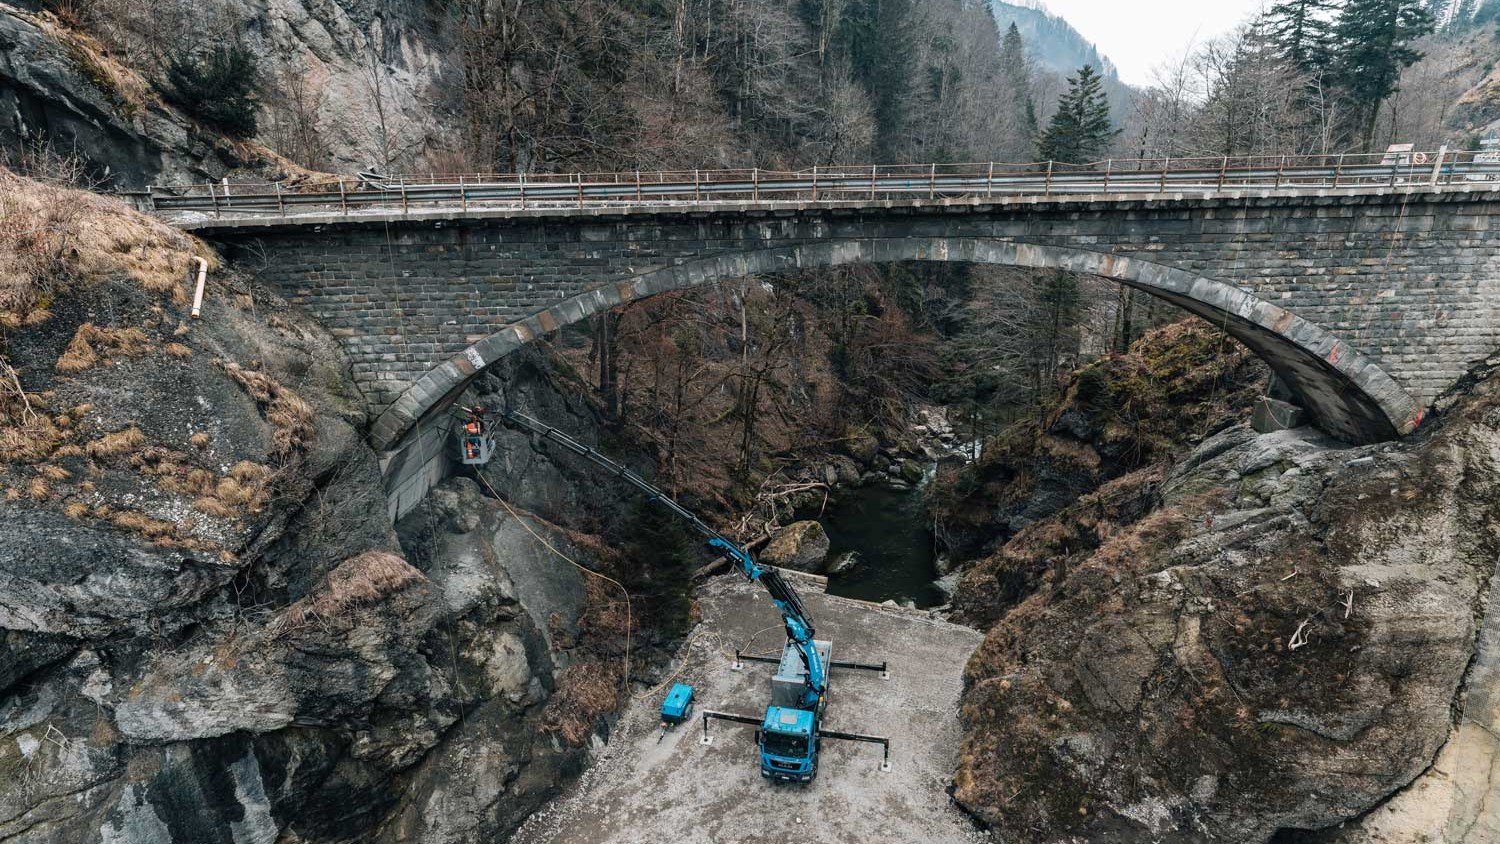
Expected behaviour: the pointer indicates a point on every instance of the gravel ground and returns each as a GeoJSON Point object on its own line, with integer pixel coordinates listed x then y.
{"type": "Point", "coordinates": [679, 790]}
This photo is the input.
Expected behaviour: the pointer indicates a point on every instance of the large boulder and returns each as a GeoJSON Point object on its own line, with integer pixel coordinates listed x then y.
{"type": "Point", "coordinates": [800, 545]}
{"type": "Point", "coordinates": [862, 447]}
{"type": "Point", "coordinates": [1277, 647]}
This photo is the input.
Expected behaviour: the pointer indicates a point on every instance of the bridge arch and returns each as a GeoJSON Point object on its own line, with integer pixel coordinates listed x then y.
{"type": "Point", "coordinates": [1345, 393]}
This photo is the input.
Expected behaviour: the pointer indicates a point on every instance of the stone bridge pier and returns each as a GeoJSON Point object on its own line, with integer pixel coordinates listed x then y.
{"type": "Point", "coordinates": [1367, 306]}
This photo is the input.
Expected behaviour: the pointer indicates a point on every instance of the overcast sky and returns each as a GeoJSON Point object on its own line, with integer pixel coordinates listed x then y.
{"type": "Point", "coordinates": [1140, 34]}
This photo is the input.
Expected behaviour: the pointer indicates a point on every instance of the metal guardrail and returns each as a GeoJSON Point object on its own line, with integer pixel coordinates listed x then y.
{"type": "Point", "coordinates": [1122, 178]}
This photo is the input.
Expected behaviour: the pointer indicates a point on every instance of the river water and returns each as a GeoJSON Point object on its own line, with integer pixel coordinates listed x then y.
{"type": "Point", "coordinates": [889, 529]}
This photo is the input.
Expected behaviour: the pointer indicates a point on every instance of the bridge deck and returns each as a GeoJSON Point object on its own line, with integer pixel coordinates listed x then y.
{"type": "Point", "coordinates": [681, 791]}
{"type": "Point", "coordinates": [247, 222]}
{"type": "Point", "coordinates": [862, 185]}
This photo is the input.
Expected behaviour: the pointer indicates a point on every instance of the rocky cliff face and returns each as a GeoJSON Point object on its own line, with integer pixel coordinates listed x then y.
{"type": "Point", "coordinates": [362, 72]}
{"type": "Point", "coordinates": [1280, 645]}
{"type": "Point", "coordinates": [61, 93]}
{"type": "Point", "coordinates": [209, 629]}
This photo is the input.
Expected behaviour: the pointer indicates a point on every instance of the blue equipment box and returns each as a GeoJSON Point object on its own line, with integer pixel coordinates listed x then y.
{"type": "Point", "coordinates": [679, 702]}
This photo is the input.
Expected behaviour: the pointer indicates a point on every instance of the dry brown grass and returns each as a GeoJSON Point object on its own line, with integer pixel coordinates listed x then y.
{"type": "Point", "coordinates": [200, 481]}
{"type": "Point", "coordinates": [138, 522]}
{"type": "Point", "coordinates": [116, 444]}
{"type": "Point", "coordinates": [1070, 452]}
{"type": "Point", "coordinates": [79, 355]}
{"type": "Point", "coordinates": [260, 386]}
{"type": "Point", "coordinates": [214, 507]}
{"type": "Point", "coordinates": [290, 417]}
{"type": "Point", "coordinates": [56, 474]}
{"type": "Point", "coordinates": [230, 491]}
{"type": "Point", "coordinates": [250, 473]}
{"type": "Point", "coordinates": [358, 581]}
{"type": "Point", "coordinates": [29, 441]}
{"type": "Point", "coordinates": [199, 440]}
{"type": "Point", "coordinates": [125, 88]}
{"type": "Point", "coordinates": [177, 350]}
{"type": "Point", "coordinates": [245, 489]}
{"type": "Point", "coordinates": [38, 489]}
{"type": "Point", "coordinates": [51, 235]}
{"type": "Point", "coordinates": [90, 344]}
{"type": "Point", "coordinates": [27, 433]}
{"type": "Point", "coordinates": [75, 509]}
{"type": "Point", "coordinates": [587, 691]}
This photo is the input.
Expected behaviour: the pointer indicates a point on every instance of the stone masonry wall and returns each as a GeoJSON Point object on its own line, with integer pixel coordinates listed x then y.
{"type": "Point", "coordinates": [1411, 280]}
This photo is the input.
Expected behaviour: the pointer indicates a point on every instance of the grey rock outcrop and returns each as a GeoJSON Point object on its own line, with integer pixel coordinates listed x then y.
{"type": "Point", "coordinates": [517, 608]}
{"type": "Point", "coordinates": [1278, 646]}
{"type": "Point", "coordinates": [367, 70]}
{"type": "Point", "coordinates": [210, 628]}
{"type": "Point", "coordinates": [51, 94]}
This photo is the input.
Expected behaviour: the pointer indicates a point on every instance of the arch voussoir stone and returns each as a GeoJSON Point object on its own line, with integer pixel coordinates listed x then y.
{"type": "Point", "coordinates": [1347, 394]}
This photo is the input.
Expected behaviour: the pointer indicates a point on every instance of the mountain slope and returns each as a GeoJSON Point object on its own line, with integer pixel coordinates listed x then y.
{"type": "Point", "coordinates": [1052, 42]}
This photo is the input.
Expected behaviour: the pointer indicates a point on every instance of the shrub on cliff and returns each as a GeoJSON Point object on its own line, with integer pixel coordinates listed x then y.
{"type": "Point", "coordinates": [217, 87]}
{"type": "Point", "coordinates": [1176, 385]}
{"type": "Point", "coordinates": [660, 560]}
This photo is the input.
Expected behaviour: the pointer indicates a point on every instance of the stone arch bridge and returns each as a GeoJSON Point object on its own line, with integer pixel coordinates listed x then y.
{"type": "Point", "coordinates": [1366, 304]}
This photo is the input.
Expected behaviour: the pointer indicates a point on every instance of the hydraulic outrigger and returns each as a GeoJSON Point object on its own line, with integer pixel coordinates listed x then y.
{"type": "Point", "coordinates": [790, 732]}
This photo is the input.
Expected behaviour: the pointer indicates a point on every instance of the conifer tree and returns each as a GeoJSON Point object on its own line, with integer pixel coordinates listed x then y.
{"type": "Point", "coordinates": [1081, 129]}
{"type": "Point", "coordinates": [1374, 41]}
{"type": "Point", "coordinates": [1015, 68]}
{"type": "Point", "coordinates": [1059, 308]}
{"type": "Point", "coordinates": [1303, 32]}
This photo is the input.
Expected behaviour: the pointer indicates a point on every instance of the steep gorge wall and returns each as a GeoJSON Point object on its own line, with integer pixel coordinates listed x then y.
{"type": "Point", "coordinates": [209, 628]}
{"type": "Point", "coordinates": [62, 94]}
{"type": "Point", "coordinates": [1267, 636]}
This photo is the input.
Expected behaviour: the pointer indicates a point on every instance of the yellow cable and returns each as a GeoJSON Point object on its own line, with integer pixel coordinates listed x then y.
{"type": "Point", "coordinates": [681, 668]}
{"type": "Point", "coordinates": [550, 547]}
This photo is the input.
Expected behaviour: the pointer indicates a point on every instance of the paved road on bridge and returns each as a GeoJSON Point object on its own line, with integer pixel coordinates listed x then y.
{"type": "Point", "coordinates": [861, 184]}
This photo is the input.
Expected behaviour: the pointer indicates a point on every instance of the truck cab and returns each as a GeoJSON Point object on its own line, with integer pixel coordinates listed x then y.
{"type": "Point", "coordinates": [788, 736]}
{"type": "Point", "coordinates": [788, 745]}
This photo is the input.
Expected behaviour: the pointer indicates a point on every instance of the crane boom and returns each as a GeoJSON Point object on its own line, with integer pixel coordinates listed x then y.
{"type": "Point", "coordinates": [799, 626]}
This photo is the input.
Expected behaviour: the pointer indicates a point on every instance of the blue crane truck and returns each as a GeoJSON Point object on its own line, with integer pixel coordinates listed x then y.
{"type": "Point", "coordinates": [790, 733]}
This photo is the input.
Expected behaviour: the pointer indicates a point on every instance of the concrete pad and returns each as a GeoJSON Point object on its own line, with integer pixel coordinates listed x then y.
{"type": "Point", "coordinates": [1272, 415]}
{"type": "Point", "coordinates": [679, 790]}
